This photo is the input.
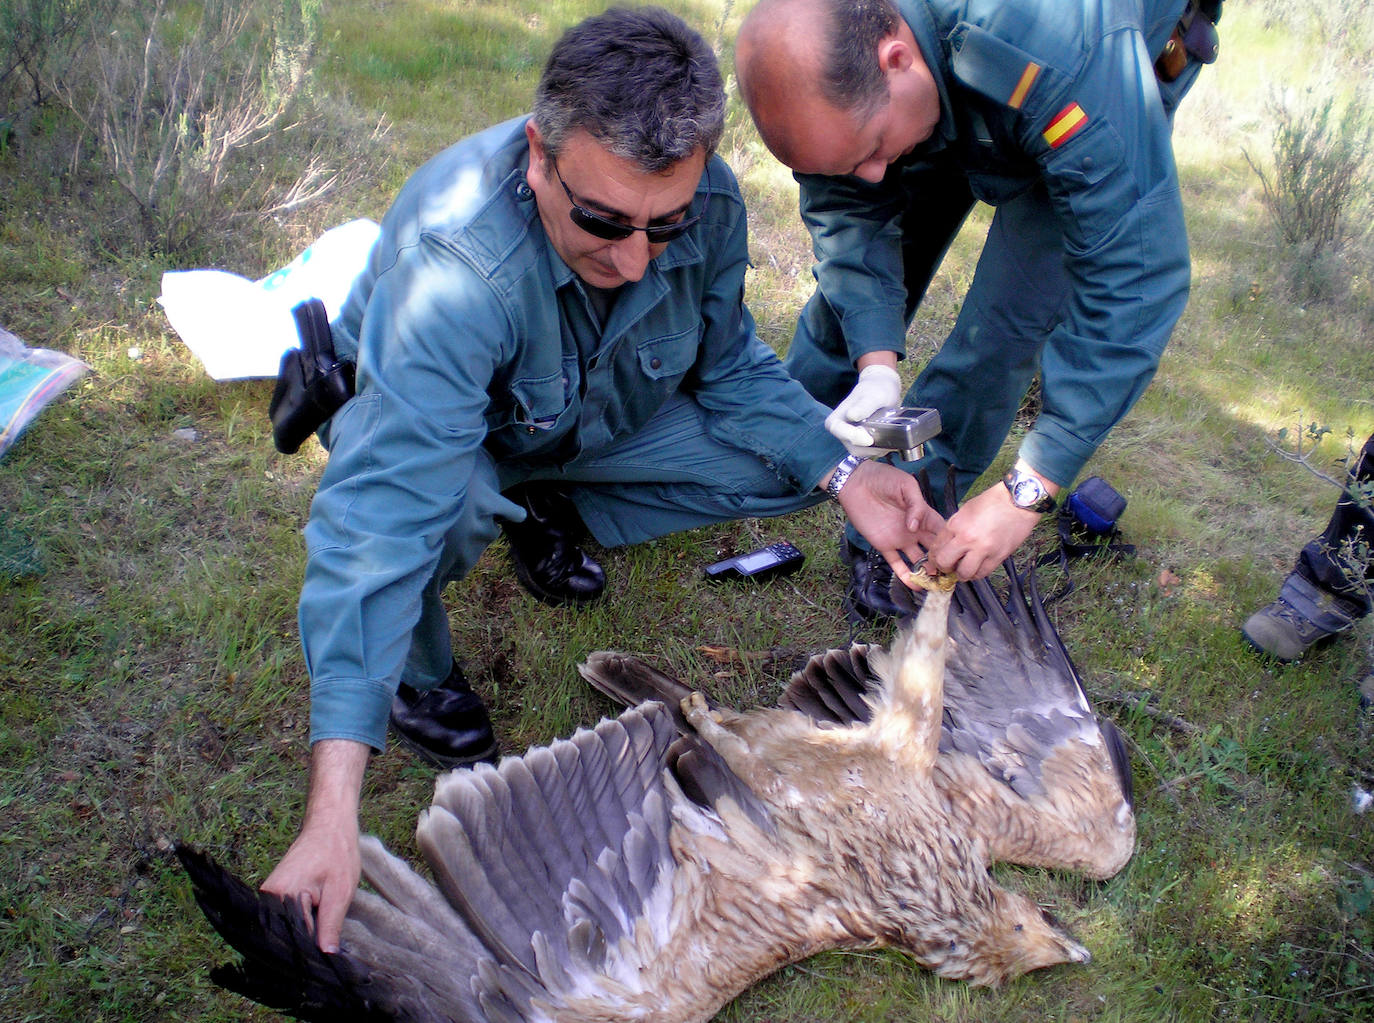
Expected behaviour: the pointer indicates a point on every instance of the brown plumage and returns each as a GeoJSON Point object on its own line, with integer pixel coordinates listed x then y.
{"type": "Point", "coordinates": [653, 867]}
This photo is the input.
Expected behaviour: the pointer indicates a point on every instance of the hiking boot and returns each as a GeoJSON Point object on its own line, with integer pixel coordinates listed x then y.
{"type": "Point", "coordinates": [544, 551]}
{"type": "Point", "coordinates": [447, 726]}
{"type": "Point", "coordinates": [1302, 615]}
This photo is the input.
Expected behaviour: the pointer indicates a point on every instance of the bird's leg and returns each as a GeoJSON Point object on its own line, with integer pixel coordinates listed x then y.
{"type": "Point", "coordinates": [908, 719]}
{"type": "Point", "coordinates": [752, 769]}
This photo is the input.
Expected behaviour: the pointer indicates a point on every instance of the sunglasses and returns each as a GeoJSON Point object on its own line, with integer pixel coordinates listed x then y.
{"type": "Point", "coordinates": [613, 230]}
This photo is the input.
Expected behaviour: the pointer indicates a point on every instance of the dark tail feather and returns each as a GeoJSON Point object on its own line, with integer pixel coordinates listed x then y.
{"type": "Point", "coordinates": [282, 966]}
{"type": "Point", "coordinates": [1116, 743]}
{"type": "Point", "coordinates": [1121, 759]}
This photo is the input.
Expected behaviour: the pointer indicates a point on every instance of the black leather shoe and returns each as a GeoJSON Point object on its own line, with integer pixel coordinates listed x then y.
{"type": "Point", "coordinates": [870, 583]}
{"type": "Point", "coordinates": [447, 725]}
{"type": "Point", "coordinates": [548, 562]}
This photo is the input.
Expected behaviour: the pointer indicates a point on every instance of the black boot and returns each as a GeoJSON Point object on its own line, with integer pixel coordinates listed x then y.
{"type": "Point", "coordinates": [870, 583]}
{"type": "Point", "coordinates": [447, 725]}
{"type": "Point", "coordinates": [548, 562]}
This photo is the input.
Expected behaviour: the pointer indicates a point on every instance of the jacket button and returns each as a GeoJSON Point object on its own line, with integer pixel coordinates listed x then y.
{"type": "Point", "coordinates": [529, 430]}
{"type": "Point", "coordinates": [1087, 163]}
{"type": "Point", "coordinates": [655, 363]}
{"type": "Point", "coordinates": [523, 191]}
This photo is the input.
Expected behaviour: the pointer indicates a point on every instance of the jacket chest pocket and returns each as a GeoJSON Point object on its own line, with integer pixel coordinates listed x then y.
{"type": "Point", "coordinates": [534, 412]}
{"type": "Point", "coordinates": [669, 356]}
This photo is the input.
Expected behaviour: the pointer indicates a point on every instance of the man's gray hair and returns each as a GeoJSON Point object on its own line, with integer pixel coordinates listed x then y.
{"type": "Point", "coordinates": [639, 81]}
{"type": "Point", "coordinates": [851, 78]}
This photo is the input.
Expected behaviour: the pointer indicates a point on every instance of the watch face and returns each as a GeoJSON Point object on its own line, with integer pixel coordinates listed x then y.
{"type": "Point", "coordinates": [1027, 492]}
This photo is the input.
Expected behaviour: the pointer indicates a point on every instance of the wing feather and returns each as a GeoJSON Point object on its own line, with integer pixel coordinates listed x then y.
{"type": "Point", "coordinates": [831, 687]}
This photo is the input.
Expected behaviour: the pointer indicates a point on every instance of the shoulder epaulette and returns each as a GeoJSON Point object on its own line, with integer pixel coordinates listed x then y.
{"type": "Point", "coordinates": [993, 67]}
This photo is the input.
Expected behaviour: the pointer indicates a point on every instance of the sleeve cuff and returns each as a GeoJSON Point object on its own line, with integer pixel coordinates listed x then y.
{"type": "Point", "coordinates": [875, 330]}
{"type": "Point", "coordinates": [356, 709]}
{"type": "Point", "coordinates": [1055, 454]}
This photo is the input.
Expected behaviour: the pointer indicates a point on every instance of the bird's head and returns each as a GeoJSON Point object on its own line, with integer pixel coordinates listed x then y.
{"type": "Point", "coordinates": [1014, 937]}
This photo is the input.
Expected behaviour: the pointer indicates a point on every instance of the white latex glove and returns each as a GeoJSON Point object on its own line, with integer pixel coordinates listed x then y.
{"type": "Point", "coordinates": [878, 387]}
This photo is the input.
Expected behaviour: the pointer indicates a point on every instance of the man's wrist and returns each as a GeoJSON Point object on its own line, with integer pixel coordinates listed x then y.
{"type": "Point", "coordinates": [879, 357]}
{"type": "Point", "coordinates": [840, 477]}
{"type": "Point", "coordinates": [1030, 491]}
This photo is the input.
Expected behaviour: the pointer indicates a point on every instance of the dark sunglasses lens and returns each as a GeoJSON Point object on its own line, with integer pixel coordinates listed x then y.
{"type": "Point", "coordinates": [593, 225]}
{"type": "Point", "coordinates": [666, 233]}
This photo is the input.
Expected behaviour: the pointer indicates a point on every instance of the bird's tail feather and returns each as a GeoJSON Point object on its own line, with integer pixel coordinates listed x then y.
{"type": "Point", "coordinates": [1121, 758]}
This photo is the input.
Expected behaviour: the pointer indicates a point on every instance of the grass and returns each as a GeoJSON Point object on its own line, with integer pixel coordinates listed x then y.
{"type": "Point", "coordinates": [153, 684]}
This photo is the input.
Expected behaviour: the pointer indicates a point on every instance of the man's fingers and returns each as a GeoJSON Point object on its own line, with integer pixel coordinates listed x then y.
{"type": "Point", "coordinates": [847, 433]}
{"type": "Point", "coordinates": [905, 565]}
{"type": "Point", "coordinates": [330, 919]}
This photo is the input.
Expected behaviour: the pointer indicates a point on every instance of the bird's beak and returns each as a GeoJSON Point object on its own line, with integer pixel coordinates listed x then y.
{"type": "Point", "coordinates": [1075, 953]}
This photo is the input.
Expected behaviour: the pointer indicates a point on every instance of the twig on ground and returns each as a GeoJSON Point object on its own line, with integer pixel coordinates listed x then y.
{"type": "Point", "coordinates": [1140, 702]}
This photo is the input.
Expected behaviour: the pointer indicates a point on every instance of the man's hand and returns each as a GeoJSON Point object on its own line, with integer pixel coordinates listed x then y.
{"type": "Point", "coordinates": [982, 534]}
{"type": "Point", "coordinates": [879, 386]}
{"type": "Point", "coordinates": [322, 867]}
{"type": "Point", "coordinates": [886, 506]}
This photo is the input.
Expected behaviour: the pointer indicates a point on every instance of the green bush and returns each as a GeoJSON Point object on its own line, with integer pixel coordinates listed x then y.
{"type": "Point", "coordinates": [36, 43]}
{"type": "Point", "coordinates": [1318, 187]}
{"type": "Point", "coordinates": [204, 113]}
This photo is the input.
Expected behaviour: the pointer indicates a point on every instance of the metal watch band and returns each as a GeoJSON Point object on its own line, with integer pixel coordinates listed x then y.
{"type": "Point", "coordinates": [842, 473]}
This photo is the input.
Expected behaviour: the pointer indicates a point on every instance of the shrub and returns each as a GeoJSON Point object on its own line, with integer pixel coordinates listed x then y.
{"type": "Point", "coordinates": [204, 113]}
{"type": "Point", "coordinates": [1319, 183]}
{"type": "Point", "coordinates": [36, 43]}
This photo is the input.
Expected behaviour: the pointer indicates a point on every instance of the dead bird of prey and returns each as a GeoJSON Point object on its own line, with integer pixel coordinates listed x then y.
{"type": "Point", "coordinates": [653, 867]}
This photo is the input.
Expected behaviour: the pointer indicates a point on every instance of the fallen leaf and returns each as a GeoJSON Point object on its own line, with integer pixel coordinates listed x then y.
{"type": "Point", "coordinates": [730, 655]}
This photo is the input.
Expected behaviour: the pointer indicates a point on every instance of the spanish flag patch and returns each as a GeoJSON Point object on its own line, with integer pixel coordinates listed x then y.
{"type": "Point", "coordinates": [1066, 124]}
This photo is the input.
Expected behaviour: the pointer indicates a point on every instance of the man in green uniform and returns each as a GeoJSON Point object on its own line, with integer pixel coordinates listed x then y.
{"type": "Point", "coordinates": [897, 115]}
{"type": "Point", "coordinates": [552, 303]}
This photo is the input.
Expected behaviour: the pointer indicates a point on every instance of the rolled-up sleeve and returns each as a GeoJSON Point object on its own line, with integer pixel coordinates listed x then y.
{"type": "Point", "coordinates": [856, 238]}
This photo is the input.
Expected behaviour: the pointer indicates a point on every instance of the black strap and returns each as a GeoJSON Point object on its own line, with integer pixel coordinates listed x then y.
{"type": "Point", "coordinates": [1074, 544]}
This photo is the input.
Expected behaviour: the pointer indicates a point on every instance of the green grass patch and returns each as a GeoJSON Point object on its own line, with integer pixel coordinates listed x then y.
{"type": "Point", "coordinates": [150, 555]}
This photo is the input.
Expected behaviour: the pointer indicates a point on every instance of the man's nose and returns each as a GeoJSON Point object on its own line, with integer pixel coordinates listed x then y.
{"type": "Point", "coordinates": [873, 171]}
{"type": "Point", "coordinates": [631, 256]}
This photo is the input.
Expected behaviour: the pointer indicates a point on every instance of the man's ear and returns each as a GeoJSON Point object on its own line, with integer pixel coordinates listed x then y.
{"type": "Point", "coordinates": [536, 140]}
{"type": "Point", "coordinates": [894, 54]}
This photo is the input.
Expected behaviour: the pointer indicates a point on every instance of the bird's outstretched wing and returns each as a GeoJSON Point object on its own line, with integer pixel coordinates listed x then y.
{"type": "Point", "coordinates": [1014, 706]}
{"type": "Point", "coordinates": [560, 887]}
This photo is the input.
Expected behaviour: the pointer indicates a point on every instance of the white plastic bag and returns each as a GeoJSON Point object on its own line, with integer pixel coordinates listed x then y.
{"type": "Point", "coordinates": [240, 328]}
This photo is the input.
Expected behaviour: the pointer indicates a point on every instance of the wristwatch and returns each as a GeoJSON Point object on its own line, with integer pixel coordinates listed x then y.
{"type": "Point", "coordinates": [842, 473]}
{"type": "Point", "coordinates": [1028, 492]}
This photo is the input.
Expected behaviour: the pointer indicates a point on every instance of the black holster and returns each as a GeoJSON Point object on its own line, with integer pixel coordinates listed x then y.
{"type": "Point", "coordinates": [312, 383]}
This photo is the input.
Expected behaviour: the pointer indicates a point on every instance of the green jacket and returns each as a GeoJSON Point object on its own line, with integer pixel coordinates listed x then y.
{"type": "Point", "coordinates": [1053, 92]}
{"type": "Point", "coordinates": [478, 358]}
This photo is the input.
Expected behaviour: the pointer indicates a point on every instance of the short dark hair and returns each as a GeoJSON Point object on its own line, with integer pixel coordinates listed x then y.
{"type": "Point", "coordinates": [851, 79]}
{"type": "Point", "coordinates": [639, 81]}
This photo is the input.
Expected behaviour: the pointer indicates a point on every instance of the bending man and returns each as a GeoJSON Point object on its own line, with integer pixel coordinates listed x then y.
{"type": "Point", "coordinates": [897, 117]}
